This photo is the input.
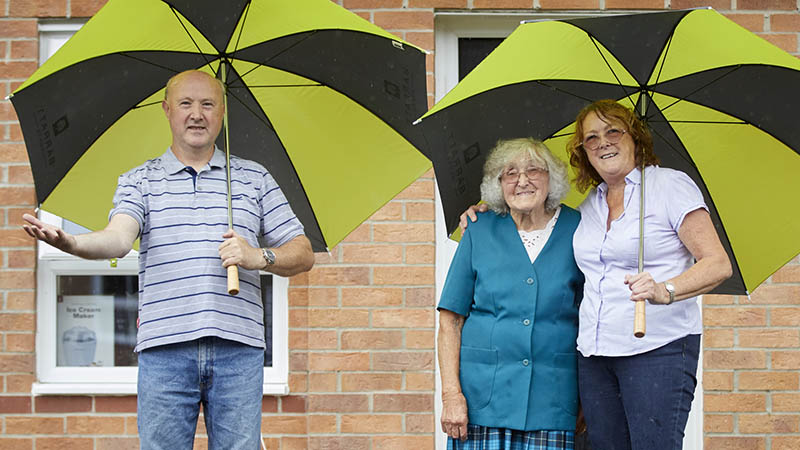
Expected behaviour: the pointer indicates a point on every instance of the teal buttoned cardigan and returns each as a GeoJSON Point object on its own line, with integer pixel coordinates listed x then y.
{"type": "Point", "coordinates": [518, 365]}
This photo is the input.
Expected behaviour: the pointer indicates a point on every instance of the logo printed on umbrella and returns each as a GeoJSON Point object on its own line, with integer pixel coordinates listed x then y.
{"type": "Point", "coordinates": [45, 138]}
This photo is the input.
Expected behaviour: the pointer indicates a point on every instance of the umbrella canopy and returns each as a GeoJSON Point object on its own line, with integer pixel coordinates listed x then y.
{"type": "Point", "coordinates": [319, 96]}
{"type": "Point", "coordinates": [720, 102]}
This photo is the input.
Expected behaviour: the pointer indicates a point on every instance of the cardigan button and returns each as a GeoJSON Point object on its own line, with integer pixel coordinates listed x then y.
{"type": "Point", "coordinates": [526, 322]}
{"type": "Point", "coordinates": [525, 362]}
{"type": "Point", "coordinates": [529, 281]}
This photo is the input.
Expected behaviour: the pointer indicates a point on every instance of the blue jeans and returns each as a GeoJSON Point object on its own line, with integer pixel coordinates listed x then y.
{"type": "Point", "coordinates": [639, 402]}
{"type": "Point", "coordinates": [226, 377]}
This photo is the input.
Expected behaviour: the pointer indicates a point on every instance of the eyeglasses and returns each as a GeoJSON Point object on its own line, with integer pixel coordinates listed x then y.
{"type": "Point", "coordinates": [511, 175]}
{"type": "Point", "coordinates": [612, 136]}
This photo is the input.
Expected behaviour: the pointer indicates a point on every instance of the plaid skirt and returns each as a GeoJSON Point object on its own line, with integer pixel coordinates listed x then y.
{"type": "Point", "coordinates": [488, 438]}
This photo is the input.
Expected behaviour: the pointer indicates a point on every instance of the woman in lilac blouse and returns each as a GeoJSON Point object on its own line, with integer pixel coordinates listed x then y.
{"type": "Point", "coordinates": [636, 393]}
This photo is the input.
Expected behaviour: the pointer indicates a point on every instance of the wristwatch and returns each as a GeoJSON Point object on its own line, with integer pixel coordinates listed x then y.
{"type": "Point", "coordinates": [671, 289]}
{"type": "Point", "coordinates": [269, 256]}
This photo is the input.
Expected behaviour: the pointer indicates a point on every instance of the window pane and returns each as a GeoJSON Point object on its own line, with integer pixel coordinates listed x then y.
{"type": "Point", "coordinates": [96, 320]}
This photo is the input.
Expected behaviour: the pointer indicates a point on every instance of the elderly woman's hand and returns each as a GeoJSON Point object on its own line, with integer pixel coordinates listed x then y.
{"type": "Point", "coordinates": [471, 214]}
{"type": "Point", "coordinates": [644, 287]}
{"type": "Point", "coordinates": [454, 415]}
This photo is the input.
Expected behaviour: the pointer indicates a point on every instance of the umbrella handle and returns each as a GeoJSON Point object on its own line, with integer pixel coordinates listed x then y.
{"type": "Point", "coordinates": [639, 323]}
{"type": "Point", "coordinates": [233, 280]}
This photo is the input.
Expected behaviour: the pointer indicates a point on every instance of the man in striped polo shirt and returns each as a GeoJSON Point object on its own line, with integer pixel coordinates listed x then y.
{"type": "Point", "coordinates": [197, 344]}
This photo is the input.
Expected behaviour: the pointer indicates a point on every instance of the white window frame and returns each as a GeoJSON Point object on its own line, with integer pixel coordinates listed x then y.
{"type": "Point", "coordinates": [448, 28]}
{"type": "Point", "coordinates": [54, 380]}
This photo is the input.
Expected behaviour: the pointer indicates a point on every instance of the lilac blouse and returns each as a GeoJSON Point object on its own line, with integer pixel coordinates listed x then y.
{"type": "Point", "coordinates": [605, 257]}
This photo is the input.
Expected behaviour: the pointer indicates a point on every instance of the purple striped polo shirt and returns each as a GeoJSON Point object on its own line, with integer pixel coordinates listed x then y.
{"type": "Point", "coordinates": [182, 284]}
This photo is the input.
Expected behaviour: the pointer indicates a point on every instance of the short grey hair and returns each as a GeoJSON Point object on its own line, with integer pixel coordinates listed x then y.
{"type": "Point", "coordinates": [507, 151]}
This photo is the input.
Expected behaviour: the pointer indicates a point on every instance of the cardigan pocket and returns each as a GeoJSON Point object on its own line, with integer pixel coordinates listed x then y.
{"type": "Point", "coordinates": [565, 381]}
{"type": "Point", "coordinates": [477, 373]}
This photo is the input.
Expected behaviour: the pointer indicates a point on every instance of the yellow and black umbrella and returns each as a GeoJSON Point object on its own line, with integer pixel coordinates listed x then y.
{"type": "Point", "coordinates": [318, 95]}
{"type": "Point", "coordinates": [721, 103]}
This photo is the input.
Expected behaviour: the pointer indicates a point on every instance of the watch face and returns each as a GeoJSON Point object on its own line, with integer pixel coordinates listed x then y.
{"type": "Point", "coordinates": [269, 255]}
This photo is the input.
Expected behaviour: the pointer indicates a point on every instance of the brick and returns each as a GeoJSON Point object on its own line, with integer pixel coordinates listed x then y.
{"type": "Point", "coordinates": [362, 233]}
{"type": "Point", "coordinates": [323, 382]}
{"type": "Point", "coordinates": [34, 425]}
{"type": "Point", "coordinates": [786, 42]}
{"type": "Point", "coordinates": [37, 8]}
{"type": "Point", "coordinates": [17, 322]}
{"type": "Point", "coordinates": [420, 297]}
{"type": "Point", "coordinates": [21, 259]}
{"type": "Point", "coordinates": [420, 254]}
{"type": "Point", "coordinates": [15, 215]}
{"type": "Point", "coordinates": [16, 404]}
{"type": "Point", "coordinates": [420, 339]}
{"type": "Point", "coordinates": [420, 423]}
{"type": "Point", "coordinates": [783, 360]}
{"type": "Point", "coordinates": [785, 402]}
{"type": "Point", "coordinates": [338, 443]}
{"type": "Point", "coordinates": [338, 403]}
{"type": "Point", "coordinates": [461, 4]}
{"type": "Point", "coordinates": [19, 28]}
{"type": "Point", "coordinates": [762, 423]}
{"type": "Point", "coordinates": [269, 404]}
{"type": "Point", "coordinates": [424, 39]}
{"type": "Point", "coordinates": [422, 360]}
{"type": "Point", "coordinates": [403, 402]}
{"type": "Point", "coordinates": [404, 442]}
{"type": "Point", "coordinates": [20, 175]}
{"type": "Point", "coordinates": [717, 381]}
{"type": "Point", "coordinates": [389, 211]}
{"type": "Point", "coordinates": [16, 237]}
{"type": "Point", "coordinates": [16, 443]}
{"type": "Point", "coordinates": [24, 49]}
{"type": "Point", "coordinates": [734, 443]}
{"type": "Point", "coordinates": [375, 423]}
{"type": "Point", "coordinates": [63, 404]}
{"type": "Point", "coordinates": [117, 443]}
{"type": "Point", "coordinates": [634, 4]}
{"type": "Point", "coordinates": [569, 4]}
{"type": "Point", "coordinates": [718, 423]}
{"type": "Point", "coordinates": [403, 232]}
{"type": "Point", "coordinates": [734, 317]}
{"type": "Point", "coordinates": [19, 383]}
{"type": "Point", "coordinates": [339, 361]}
{"type": "Point", "coordinates": [298, 296]}
{"type": "Point", "coordinates": [776, 294]}
{"type": "Point", "coordinates": [322, 424]}
{"type": "Point", "coordinates": [420, 381]}
{"type": "Point", "coordinates": [420, 211]}
{"type": "Point", "coordinates": [20, 342]}
{"type": "Point", "coordinates": [18, 196]}
{"type": "Point", "coordinates": [403, 318]}
{"type": "Point", "coordinates": [404, 275]}
{"type": "Point", "coordinates": [334, 318]}
{"type": "Point", "coordinates": [95, 425]}
{"type": "Point", "coordinates": [298, 382]}
{"type": "Point", "coordinates": [16, 363]}
{"type": "Point", "coordinates": [374, 254]}
{"type": "Point", "coordinates": [298, 318]}
{"type": "Point", "coordinates": [752, 22]}
{"type": "Point", "coordinates": [17, 69]}
{"type": "Point", "coordinates": [712, 299]}
{"type": "Point", "coordinates": [768, 381]}
{"type": "Point", "coordinates": [284, 424]}
{"type": "Point", "coordinates": [719, 5]}
{"type": "Point", "coordinates": [336, 276]}
{"type": "Point", "coordinates": [734, 402]}
{"type": "Point", "coordinates": [329, 257]}
{"type": "Point", "coordinates": [298, 361]}
{"type": "Point", "coordinates": [785, 22]}
{"type": "Point", "coordinates": [323, 339]}
{"type": "Point", "coordinates": [766, 4]}
{"type": "Point", "coordinates": [372, 296]}
{"type": "Point", "coordinates": [502, 4]}
{"type": "Point", "coordinates": [370, 339]}
{"type": "Point", "coordinates": [85, 8]}
{"type": "Point", "coordinates": [371, 382]}
{"type": "Point", "coordinates": [372, 4]}
{"type": "Point", "coordinates": [298, 339]}
{"type": "Point", "coordinates": [418, 190]}
{"type": "Point", "coordinates": [768, 337]}
{"type": "Point", "coordinates": [735, 359]}
{"type": "Point", "coordinates": [64, 443]}
{"type": "Point", "coordinates": [785, 442]}
{"type": "Point", "coordinates": [718, 338]}
{"type": "Point", "coordinates": [404, 20]}
{"type": "Point", "coordinates": [785, 317]}
{"type": "Point", "coordinates": [122, 404]}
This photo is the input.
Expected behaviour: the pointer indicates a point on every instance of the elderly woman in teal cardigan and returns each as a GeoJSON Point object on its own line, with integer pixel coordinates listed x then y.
{"type": "Point", "coordinates": [509, 310]}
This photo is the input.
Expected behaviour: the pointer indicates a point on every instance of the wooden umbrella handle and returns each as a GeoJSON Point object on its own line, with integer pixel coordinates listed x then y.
{"type": "Point", "coordinates": [639, 323]}
{"type": "Point", "coordinates": [233, 280]}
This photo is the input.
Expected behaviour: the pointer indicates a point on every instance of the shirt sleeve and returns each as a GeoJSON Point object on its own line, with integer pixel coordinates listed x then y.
{"type": "Point", "coordinates": [459, 286]}
{"type": "Point", "coordinates": [279, 224]}
{"type": "Point", "coordinates": [684, 197]}
{"type": "Point", "coordinates": [128, 198]}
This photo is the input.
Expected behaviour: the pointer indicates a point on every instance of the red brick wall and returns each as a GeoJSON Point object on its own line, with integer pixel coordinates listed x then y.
{"type": "Point", "coordinates": [361, 324]}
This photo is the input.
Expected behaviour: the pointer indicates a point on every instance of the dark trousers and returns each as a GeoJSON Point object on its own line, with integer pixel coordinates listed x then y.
{"type": "Point", "coordinates": [639, 402]}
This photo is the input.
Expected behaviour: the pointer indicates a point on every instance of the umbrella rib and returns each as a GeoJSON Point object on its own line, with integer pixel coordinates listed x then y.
{"type": "Point", "coordinates": [681, 99]}
{"type": "Point", "coordinates": [619, 82]}
{"type": "Point", "coordinates": [175, 13]}
{"type": "Point", "coordinates": [241, 29]}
